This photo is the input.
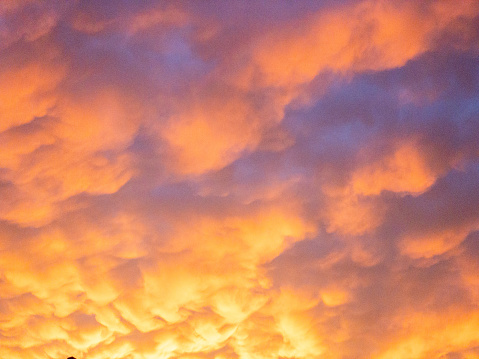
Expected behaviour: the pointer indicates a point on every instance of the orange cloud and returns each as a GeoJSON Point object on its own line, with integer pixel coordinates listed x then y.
{"type": "Point", "coordinates": [431, 337]}
{"type": "Point", "coordinates": [350, 215]}
{"type": "Point", "coordinates": [371, 35]}
{"type": "Point", "coordinates": [216, 128]}
{"type": "Point", "coordinates": [434, 243]}
{"type": "Point", "coordinates": [211, 138]}
{"type": "Point", "coordinates": [403, 171]}
{"type": "Point", "coordinates": [27, 92]}
{"type": "Point", "coordinates": [167, 192]}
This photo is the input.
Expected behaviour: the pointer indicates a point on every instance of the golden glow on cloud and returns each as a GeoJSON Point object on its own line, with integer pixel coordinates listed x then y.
{"type": "Point", "coordinates": [429, 333]}
{"type": "Point", "coordinates": [371, 35]}
{"type": "Point", "coordinates": [210, 137]}
{"type": "Point", "coordinates": [403, 171]}
{"type": "Point", "coordinates": [221, 180]}
{"type": "Point", "coordinates": [26, 92]}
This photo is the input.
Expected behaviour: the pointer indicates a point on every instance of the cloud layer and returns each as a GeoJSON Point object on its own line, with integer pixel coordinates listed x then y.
{"type": "Point", "coordinates": [224, 180]}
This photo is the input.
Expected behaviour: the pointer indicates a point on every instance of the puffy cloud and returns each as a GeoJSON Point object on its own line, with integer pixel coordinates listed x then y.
{"type": "Point", "coordinates": [215, 180]}
{"type": "Point", "coordinates": [369, 35]}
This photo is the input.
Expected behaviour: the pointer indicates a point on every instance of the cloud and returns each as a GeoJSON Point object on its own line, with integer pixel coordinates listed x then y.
{"type": "Point", "coordinates": [212, 180]}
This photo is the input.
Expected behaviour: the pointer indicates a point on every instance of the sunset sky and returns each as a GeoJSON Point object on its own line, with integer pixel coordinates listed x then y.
{"type": "Point", "coordinates": [237, 179]}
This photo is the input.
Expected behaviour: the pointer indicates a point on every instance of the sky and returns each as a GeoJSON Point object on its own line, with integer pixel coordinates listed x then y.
{"type": "Point", "coordinates": [239, 179]}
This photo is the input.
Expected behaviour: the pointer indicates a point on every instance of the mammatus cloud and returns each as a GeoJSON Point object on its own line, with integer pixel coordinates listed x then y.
{"type": "Point", "coordinates": [228, 180]}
